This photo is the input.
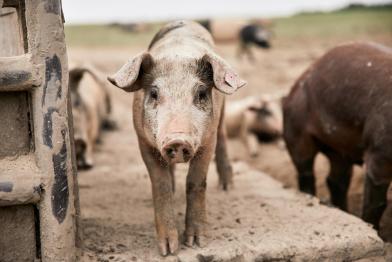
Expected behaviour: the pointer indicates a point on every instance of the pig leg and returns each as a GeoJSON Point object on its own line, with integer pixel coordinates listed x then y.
{"type": "Point", "coordinates": [374, 202]}
{"type": "Point", "coordinates": [89, 162]}
{"type": "Point", "coordinates": [163, 200]}
{"type": "Point", "coordinates": [240, 50]}
{"type": "Point", "coordinates": [303, 151]}
{"type": "Point", "coordinates": [195, 221]}
{"type": "Point", "coordinates": [376, 188]}
{"type": "Point", "coordinates": [92, 137]}
{"type": "Point", "coordinates": [339, 180]}
{"type": "Point", "coordinates": [225, 171]}
{"type": "Point", "coordinates": [246, 48]}
{"type": "Point", "coordinates": [251, 56]}
{"type": "Point", "coordinates": [248, 139]}
{"type": "Point", "coordinates": [252, 144]}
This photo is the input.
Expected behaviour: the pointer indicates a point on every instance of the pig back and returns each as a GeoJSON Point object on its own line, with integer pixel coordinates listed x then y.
{"type": "Point", "coordinates": [183, 38]}
{"type": "Point", "coordinates": [351, 81]}
{"type": "Point", "coordinates": [344, 99]}
{"type": "Point", "coordinates": [94, 96]}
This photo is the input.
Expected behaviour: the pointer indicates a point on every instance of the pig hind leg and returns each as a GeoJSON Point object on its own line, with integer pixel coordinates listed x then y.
{"type": "Point", "coordinates": [338, 180]}
{"type": "Point", "coordinates": [376, 188]}
{"type": "Point", "coordinates": [223, 165]}
{"type": "Point", "coordinates": [303, 150]}
{"type": "Point", "coordinates": [375, 201]}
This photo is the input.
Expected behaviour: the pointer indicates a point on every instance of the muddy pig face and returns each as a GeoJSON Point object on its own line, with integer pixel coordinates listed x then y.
{"type": "Point", "coordinates": [266, 118]}
{"type": "Point", "coordinates": [178, 107]}
{"type": "Point", "coordinates": [178, 101]}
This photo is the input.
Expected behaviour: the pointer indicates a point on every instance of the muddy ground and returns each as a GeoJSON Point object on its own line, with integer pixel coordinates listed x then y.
{"type": "Point", "coordinates": [119, 179]}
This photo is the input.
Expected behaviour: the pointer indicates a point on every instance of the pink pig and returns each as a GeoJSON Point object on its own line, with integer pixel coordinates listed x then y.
{"type": "Point", "coordinates": [179, 85]}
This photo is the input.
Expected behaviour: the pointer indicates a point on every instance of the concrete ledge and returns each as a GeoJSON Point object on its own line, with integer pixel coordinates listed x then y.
{"type": "Point", "coordinates": [258, 220]}
{"type": "Point", "coordinates": [285, 225]}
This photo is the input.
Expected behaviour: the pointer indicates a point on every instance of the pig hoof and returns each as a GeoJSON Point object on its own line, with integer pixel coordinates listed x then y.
{"type": "Point", "coordinates": [226, 186]}
{"type": "Point", "coordinates": [198, 240]}
{"type": "Point", "coordinates": [83, 165]}
{"type": "Point", "coordinates": [168, 245]}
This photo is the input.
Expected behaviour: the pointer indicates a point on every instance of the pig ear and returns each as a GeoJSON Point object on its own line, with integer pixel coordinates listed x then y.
{"type": "Point", "coordinates": [226, 79]}
{"type": "Point", "coordinates": [126, 77]}
{"type": "Point", "coordinates": [75, 75]}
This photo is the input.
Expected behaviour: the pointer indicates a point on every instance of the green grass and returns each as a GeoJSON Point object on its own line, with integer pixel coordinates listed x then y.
{"type": "Point", "coordinates": [344, 24]}
{"type": "Point", "coordinates": [105, 35]}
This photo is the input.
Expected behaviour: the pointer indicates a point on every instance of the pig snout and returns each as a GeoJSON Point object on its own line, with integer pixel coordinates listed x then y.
{"type": "Point", "coordinates": [177, 149]}
{"type": "Point", "coordinates": [274, 126]}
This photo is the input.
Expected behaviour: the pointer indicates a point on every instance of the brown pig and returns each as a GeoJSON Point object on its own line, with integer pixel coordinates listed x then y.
{"type": "Point", "coordinates": [254, 119]}
{"type": "Point", "coordinates": [179, 84]}
{"type": "Point", "coordinates": [90, 109]}
{"type": "Point", "coordinates": [342, 107]}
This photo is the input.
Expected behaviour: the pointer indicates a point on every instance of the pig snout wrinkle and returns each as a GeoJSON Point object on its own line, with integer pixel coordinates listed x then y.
{"type": "Point", "coordinates": [177, 151]}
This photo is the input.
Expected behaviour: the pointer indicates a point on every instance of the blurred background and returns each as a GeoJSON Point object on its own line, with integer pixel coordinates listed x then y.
{"type": "Point", "coordinates": [291, 35]}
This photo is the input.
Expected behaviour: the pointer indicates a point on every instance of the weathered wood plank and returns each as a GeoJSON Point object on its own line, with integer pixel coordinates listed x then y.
{"type": "Point", "coordinates": [20, 181]}
{"type": "Point", "coordinates": [17, 73]}
{"type": "Point", "coordinates": [11, 34]}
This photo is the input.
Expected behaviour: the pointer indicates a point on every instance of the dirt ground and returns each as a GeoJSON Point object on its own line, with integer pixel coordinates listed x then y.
{"type": "Point", "coordinates": [107, 191]}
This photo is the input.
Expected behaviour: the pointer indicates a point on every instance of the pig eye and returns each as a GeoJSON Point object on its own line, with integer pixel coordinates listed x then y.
{"type": "Point", "coordinates": [154, 93]}
{"type": "Point", "coordinates": [202, 95]}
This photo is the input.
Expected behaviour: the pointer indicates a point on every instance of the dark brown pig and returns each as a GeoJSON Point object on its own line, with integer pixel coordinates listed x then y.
{"type": "Point", "coordinates": [179, 85]}
{"type": "Point", "coordinates": [342, 107]}
{"type": "Point", "coordinates": [90, 109]}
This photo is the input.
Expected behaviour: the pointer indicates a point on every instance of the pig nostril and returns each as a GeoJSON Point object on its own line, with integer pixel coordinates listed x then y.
{"type": "Point", "coordinates": [170, 152]}
{"type": "Point", "coordinates": [178, 150]}
{"type": "Point", "coordinates": [186, 152]}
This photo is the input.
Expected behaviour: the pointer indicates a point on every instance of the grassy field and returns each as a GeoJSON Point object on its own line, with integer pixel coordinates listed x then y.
{"type": "Point", "coordinates": [348, 24]}
{"type": "Point", "coordinates": [342, 24]}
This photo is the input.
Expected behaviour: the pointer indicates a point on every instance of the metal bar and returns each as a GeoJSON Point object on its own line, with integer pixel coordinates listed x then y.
{"type": "Point", "coordinates": [17, 73]}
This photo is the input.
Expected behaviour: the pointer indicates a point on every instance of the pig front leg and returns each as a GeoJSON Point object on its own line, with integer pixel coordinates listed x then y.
{"type": "Point", "coordinates": [250, 141]}
{"type": "Point", "coordinates": [162, 193]}
{"type": "Point", "coordinates": [195, 221]}
{"type": "Point", "coordinates": [252, 144]}
{"type": "Point", "coordinates": [89, 162]}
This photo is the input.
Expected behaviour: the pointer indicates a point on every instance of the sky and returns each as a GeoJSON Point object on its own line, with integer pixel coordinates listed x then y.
{"type": "Point", "coordinates": [103, 11]}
